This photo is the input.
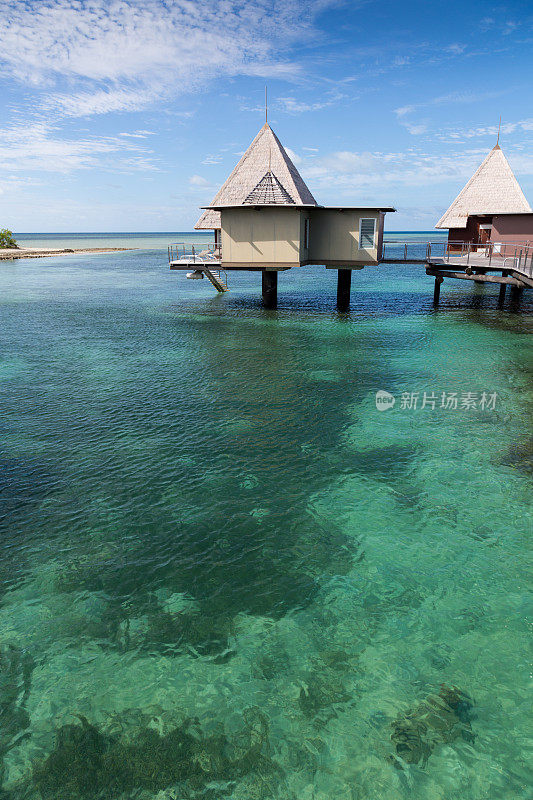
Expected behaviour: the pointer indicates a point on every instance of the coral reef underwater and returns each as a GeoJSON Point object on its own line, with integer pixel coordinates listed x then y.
{"type": "Point", "coordinates": [439, 719]}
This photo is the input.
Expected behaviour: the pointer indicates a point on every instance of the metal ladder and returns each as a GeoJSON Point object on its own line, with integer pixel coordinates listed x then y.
{"type": "Point", "coordinates": [218, 278]}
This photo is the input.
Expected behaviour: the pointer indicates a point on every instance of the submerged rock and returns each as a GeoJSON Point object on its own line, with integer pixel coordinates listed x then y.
{"type": "Point", "coordinates": [439, 719]}
{"type": "Point", "coordinates": [519, 456]}
{"type": "Point", "coordinates": [322, 694]}
{"type": "Point", "coordinates": [136, 753]}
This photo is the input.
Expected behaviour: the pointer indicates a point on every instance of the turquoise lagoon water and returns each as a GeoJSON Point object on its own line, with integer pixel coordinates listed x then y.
{"type": "Point", "coordinates": [225, 573]}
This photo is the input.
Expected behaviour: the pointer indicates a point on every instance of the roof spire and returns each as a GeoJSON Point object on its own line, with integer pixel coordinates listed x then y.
{"type": "Point", "coordinates": [499, 128]}
{"type": "Point", "coordinates": [266, 106]}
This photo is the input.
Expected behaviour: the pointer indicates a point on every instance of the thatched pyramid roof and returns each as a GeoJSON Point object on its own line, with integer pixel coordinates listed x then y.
{"type": "Point", "coordinates": [265, 154]}
{"type": "Point", "coordinates": [492, 189]}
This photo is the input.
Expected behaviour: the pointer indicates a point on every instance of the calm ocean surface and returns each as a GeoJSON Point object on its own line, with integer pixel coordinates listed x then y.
{"type": "Point", "coordinates": [224, 572]}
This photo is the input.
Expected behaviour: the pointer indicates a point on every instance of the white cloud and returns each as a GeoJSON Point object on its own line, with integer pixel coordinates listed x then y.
{"type": "Point", "coordinates": [383, 172]}
{"type": "Point", "coordinates": [456, 48]}
{"type": "Point", "coordinates": [401, 112]}
{"type": "Point", "coordinates": [294, 157]}
{"type": "Point", "coordinates": [453, 98]}
{"type": "Point", "coordinates": [291, 105]}
{"type": "Point", "coordinates": [138, 134]}
{"type": "Point", "coordinates": [104, 101]}
{"type": "Point", "coordinates": [93, 57]}
{"type": "Point", "coordinates": [415, 130]}
{"type": "Point", "coordinates": [11, 182]}
{"type": "Point", "coordinates": [197, 180]}
{"type": "Point", "coordinates": [37, 147]}
{"type": "Point", "coordinates": [509, 27]}
{"type": "Point", "coordinates": [507, 128]}
{"type": "Point", "coordinates": [212, 159]}
{"type": "Point", "coordinates": [120, 55]}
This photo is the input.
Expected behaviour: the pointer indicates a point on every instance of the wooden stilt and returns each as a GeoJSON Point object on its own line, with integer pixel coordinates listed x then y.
{"type": "Point", "coordinates": [270, 288]}
{"type": "Point", "coordinates": [344, 282]}
{"type": "Point", "coordinates": [436, 290]}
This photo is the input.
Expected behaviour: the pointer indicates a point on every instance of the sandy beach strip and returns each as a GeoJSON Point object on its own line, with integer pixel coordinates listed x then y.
{"type": "Point", "coordinates": [8, 254]}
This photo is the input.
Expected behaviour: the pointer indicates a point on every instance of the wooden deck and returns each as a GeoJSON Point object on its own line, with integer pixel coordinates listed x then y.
{"type": "Point", "coordinates": [477, 268]}
{"type": "Point", "coordinates": [481, 264]}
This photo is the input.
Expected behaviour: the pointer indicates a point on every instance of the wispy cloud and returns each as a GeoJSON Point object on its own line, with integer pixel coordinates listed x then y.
{"type": "Point", "coordinates": [295, 158]}
{"type": "Point", "coordinates": [123, 55]}
{"type": "Point", "coordinates": [507, 128]}
{"type": "Point", "coordinates": [460, 98]}
{"type": "Point", "coordinates": [100, 101]}
{"type": "Point", "coordinates": [415, 129]}
{"type": "Point", "coordinates": [198, 180]}
{"type": "Point", "coordinates": [37, 147]}
{"type": "Point", "coordinates": [212, 159]}
{"type": "Point", "coordinates": [356, 172]}
{"type": "Point", "coordinates": [138, 134]}
{"type": "Point", "coordinates": [292, 105]}
{"type": "Point", "coordinates": [452, 98]}
{"type": "Point", "coordinates": [9, 183]}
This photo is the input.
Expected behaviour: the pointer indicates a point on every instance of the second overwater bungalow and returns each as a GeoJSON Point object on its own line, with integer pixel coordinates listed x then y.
{"type": "Point", "coordinates": [490, 209]}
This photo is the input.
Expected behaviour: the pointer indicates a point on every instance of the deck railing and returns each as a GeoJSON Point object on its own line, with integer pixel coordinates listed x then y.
{"type": "Point", "coordinates": [194, 252]}
{"type": "Point", "coordinates": [496, 255]}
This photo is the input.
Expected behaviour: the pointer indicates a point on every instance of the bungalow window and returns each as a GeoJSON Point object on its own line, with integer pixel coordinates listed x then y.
{"type": "Point", "coordinates": [306, 233]}
{"type": "Point", "coordinates": [367, 233]}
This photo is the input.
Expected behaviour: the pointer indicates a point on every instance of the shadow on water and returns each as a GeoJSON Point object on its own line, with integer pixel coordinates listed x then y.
{"type": "Point", "coordinates": [366, 303]}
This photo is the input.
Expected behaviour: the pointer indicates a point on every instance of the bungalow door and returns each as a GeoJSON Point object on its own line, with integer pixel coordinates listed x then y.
{"type": "Point", "coordinates": [484, 233]}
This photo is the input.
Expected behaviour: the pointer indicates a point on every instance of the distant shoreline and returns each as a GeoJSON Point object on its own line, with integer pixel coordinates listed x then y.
{"type": "Point", "coordinates": [9, 254]}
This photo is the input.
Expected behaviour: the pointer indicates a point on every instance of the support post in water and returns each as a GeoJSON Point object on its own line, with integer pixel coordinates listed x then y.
{"type": "Point", "coordinates": [344, 282]}
{"type": "Point", "coordinates": [503, 287]}
{"type": "Point", "coordinates": [270, 288]}
{"type": "Point", "coordinates": [436, 290]}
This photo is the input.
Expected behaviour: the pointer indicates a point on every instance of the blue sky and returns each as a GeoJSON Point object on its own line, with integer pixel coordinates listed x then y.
{"type": "Point", "coordinates": [127, 115]}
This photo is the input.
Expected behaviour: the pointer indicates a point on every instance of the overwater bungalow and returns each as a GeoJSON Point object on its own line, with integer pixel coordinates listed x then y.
{"type": "Point", "coordinates": [490, 231]}
{"type": "Point", "coordinates": [491, 208]}
{"type": "Point", "coordinates": [264, 218]}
